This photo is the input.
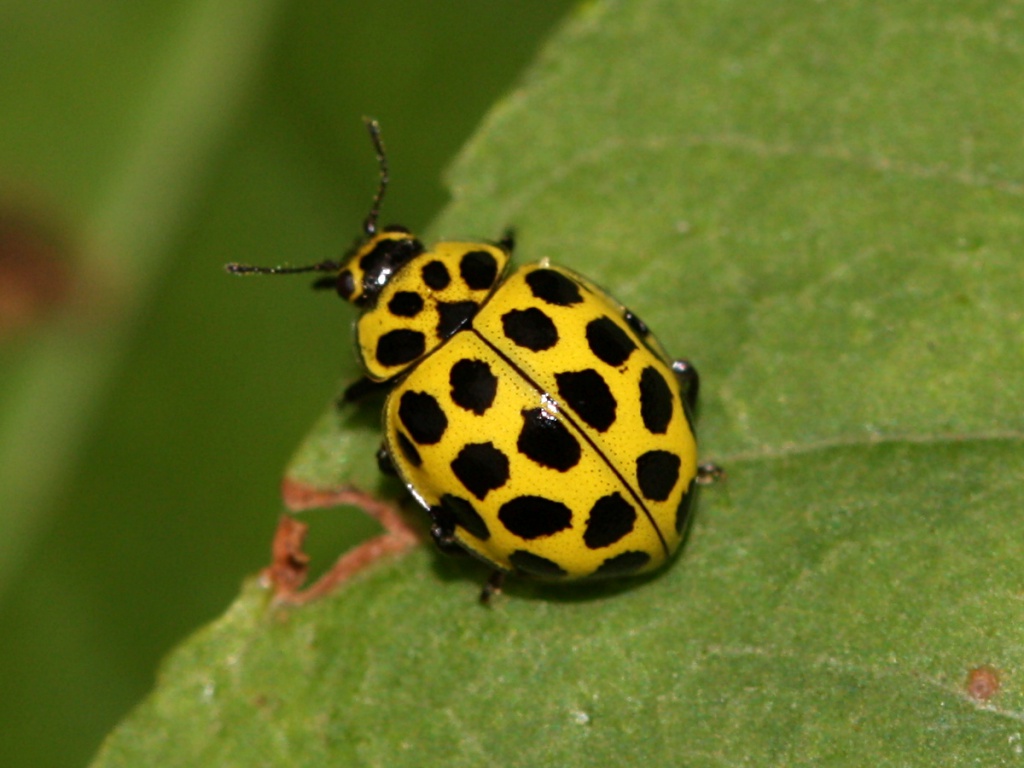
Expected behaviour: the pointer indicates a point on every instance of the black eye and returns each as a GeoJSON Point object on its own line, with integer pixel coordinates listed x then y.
{"type": "Point", "coordinates": [346, 284]}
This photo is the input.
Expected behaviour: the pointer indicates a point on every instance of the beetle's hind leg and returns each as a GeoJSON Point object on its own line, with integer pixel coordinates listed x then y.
{"type": "Point", "coordinates": [492, 587]}
{"type": "Point", "coordinates": [508, 240]}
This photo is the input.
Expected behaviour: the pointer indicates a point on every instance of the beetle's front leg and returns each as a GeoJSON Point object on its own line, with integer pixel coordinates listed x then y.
{"type": "Point", "coordinates": [360, 388]}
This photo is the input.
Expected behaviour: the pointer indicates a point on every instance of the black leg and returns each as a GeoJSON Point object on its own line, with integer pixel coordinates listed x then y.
{"type": "Point", "coordinates": [442, 531]}
{"type": "Point", "coordinates": [508, 240]}
{"type": "Point", "coordinates": [325, 283]}
{"type": "Point", "coordinates": [708, 472]}
{"type": "Point", "coordinates": [492, 587]}
{"type": "Point", "coordinates": [689, 380]}
{"type": "Point", "coordinates": [360, 388]}
{"type": "Point", "coordinates": [384, 462]}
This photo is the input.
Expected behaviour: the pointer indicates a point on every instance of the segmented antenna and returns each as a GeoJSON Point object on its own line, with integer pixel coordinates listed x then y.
{"type": "Point", "coordinates": [370, 224]}
{"type": "Point", "coordinates": [248, 269]}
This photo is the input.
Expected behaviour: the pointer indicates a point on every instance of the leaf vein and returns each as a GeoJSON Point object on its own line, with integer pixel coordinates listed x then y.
{"type": "Point", "coordinates": [789, 449]}
{"type": "Point", "coordinates": [758, 147]}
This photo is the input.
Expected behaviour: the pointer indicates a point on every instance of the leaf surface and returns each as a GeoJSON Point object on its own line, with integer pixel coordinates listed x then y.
{"type": "Point", "coordinates": [820, 205]}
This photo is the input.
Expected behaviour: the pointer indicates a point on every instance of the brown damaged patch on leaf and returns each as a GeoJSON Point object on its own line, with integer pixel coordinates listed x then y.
{"type": "Point", "coordinates": [289, 564]}
{"type": "Point", "coordinates": [982, 683]}
{"type": "Point", "coordinates": [289, 568]}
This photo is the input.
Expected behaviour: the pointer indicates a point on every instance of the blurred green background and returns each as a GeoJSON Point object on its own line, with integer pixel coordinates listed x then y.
{"type": "Point", "coordinates": [148, 402]}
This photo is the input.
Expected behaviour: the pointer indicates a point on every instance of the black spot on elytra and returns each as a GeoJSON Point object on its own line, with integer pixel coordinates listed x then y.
{"type": "Point", "coordinates": [409, 450]}
{"type": "Point", "coordinates": [479, 270]}
{"type": "Point", "coordinates": [405, 304]}
{"type": "Point", "coordinates": [609, 342]}
{"type": "Point", "coordinates": [422, 416]}
{"type": "Point", "coordinates": [683, 510]}
{"type": "Point", "coordinates": [639, 326]}
{"type": "Point", "coordinates": [534, 565]}
{"type": "Point", "coordinates": [481, 468]}
{"type": "Point", "coordinates": [400, 346]}
{"type": "Point", "coordinates": [452, 315]}
{"type": "Point", "coordinates": [553, 287]}
{"type": "Point", "coordinates": [611, 518]}
{"type": "Point", "coordinates": [473, 385]}
{"type": "Point", "coordinates": [531, 517]}
{"type": "Point", "coordinates": [656, 474]}
{"type": "Point", "coordinates": [435, 275]}
{"type": "Point", "coordinates": [655, 401]}
{"type": "Point", "coordinates": [623, 564]}
{"type": "Point", "coordinates": [587, 393]}
{"type": "Point", "coordinates": [530, 328]}
{"type": "Point", "coordinates": [464, 514]}
{"type": "Point", "coordinates": [546, 440]}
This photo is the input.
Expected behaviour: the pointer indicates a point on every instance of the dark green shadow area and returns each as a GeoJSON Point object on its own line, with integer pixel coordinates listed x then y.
{"type": "Point", "coordinates": [205, 384]}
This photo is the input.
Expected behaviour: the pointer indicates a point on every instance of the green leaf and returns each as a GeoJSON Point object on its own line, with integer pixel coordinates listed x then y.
{"type": "Point", "coordinates": [820, 205]}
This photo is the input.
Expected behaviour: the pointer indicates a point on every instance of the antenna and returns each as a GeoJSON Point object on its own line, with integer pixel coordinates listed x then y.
{"type": "Point", "coordinates": [248, 269]}
{"type": "Point", "coordinates": [370, 223]}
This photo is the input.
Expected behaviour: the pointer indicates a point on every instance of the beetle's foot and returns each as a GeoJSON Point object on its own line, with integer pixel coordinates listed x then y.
{"type": "Point", "coordinates": [709, 472]}
{"type": "Point", "coordinates": [492, 587]}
